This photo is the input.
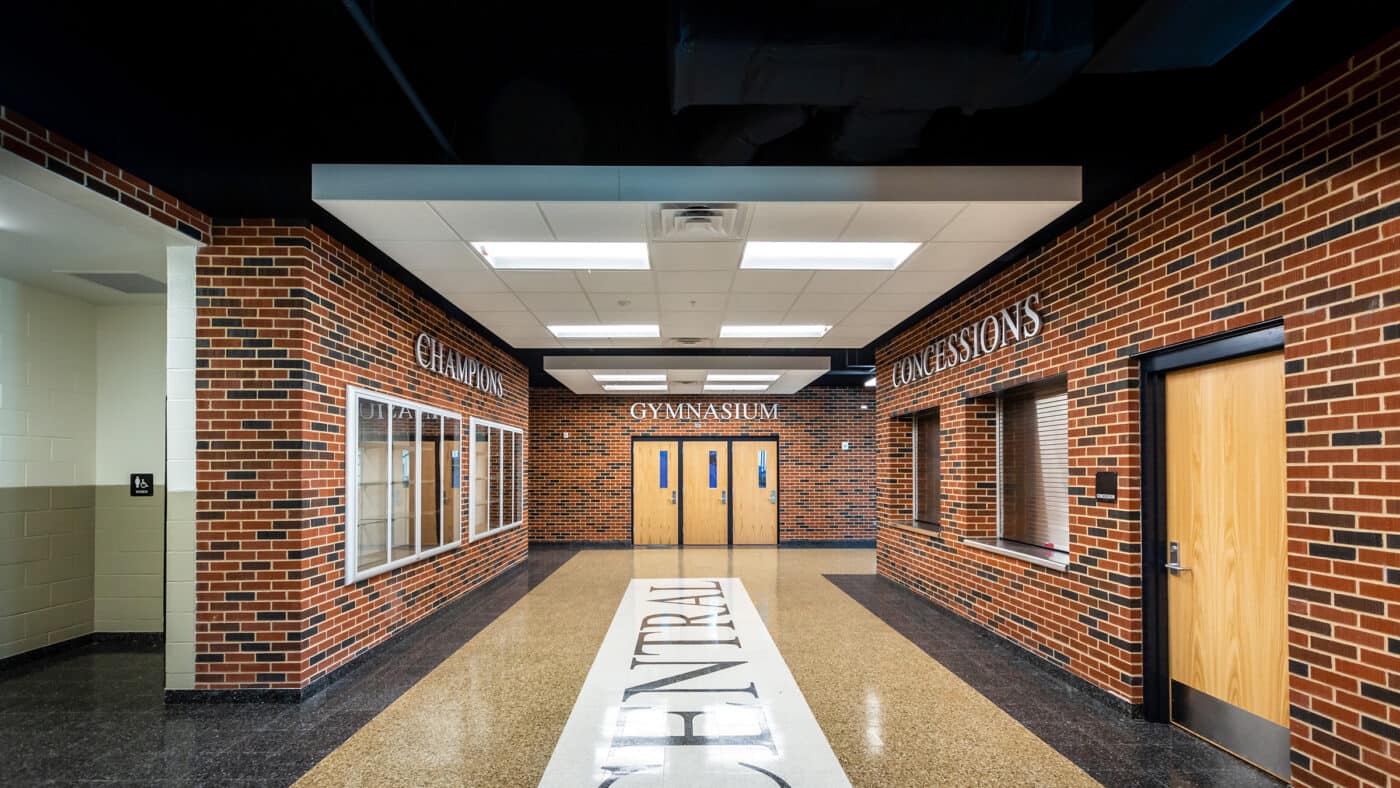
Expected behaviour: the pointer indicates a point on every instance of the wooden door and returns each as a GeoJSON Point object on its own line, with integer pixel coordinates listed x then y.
{"type": "Point", "coordinates": [1225, 512]}
{"type": "Point", "coordinates": [705, 492]}
{"type": "Point", "coordinates": [655, 492]}
{"type": "Point", "coordinates": [755, 489]}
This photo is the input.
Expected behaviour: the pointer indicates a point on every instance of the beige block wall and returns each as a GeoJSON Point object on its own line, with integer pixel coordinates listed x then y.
{"type": "Point", "coordinates": [47, 439]}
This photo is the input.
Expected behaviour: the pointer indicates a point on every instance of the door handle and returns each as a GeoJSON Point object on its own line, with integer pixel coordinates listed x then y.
{"type": "Point", "coordinates": [773, 497]}
{"type": "Point", "coordinates": [673, 497]}
{"type": "Point", "coordinates": [1173, 564]}
{"type": "Point", "coordinates": [723, 496]}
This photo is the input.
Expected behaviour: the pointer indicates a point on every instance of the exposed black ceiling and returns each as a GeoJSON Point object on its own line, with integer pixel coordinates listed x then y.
{"type": "Point", "coordinates": [226, 104]}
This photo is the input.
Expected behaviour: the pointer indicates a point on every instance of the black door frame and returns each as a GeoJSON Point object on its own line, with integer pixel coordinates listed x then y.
{"type": "Point", "coordinates": [1154, 366]}
{"type": "Point", "coordinates": [680, 440]}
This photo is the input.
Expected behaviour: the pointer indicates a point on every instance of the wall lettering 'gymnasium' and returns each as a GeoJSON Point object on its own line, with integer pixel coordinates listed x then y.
{"type": "Point", "coordinates": [694, 411]}
{"type": "Point", "coordinates": [976, 339]}
{"type": "Point", "coordinates": [435, 356]}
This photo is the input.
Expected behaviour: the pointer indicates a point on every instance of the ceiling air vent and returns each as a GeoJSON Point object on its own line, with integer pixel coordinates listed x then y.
{"type": "Point", "coordinates": [135, 284]}
{"type": "Point", "coordinates": [685, 221]}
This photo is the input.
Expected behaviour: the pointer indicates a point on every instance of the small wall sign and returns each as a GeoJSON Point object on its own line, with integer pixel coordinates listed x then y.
{"type": "Point", "coordinates": [143, 485]}
{"type": "Point", "coordinates": [1106, 487]}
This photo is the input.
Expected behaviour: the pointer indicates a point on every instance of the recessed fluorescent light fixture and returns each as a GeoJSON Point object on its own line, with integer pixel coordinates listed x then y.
{"type": "Point", "coordinates": [736, 387]}
{"type": "Point", "coordinates": [826, 256]}
{"type": "Point", "coordinates": [725, 377]}
{"type": "Point", "coordinates": [623, 331]}
{"type": "Point", "coordinates": [648, 377]}
{"type": "Point", "coordinates": [635, 387]}
{"type": "Point", "coordinates": [772, 332]}
{"type": "Point", "coordinates": [870, 383]}
{"type": "Point", "coordinates": [563, 255]}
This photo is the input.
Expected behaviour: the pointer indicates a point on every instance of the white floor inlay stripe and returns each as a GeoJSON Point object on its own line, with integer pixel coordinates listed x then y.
{"type": "Point", "coordinates": [689, 689]}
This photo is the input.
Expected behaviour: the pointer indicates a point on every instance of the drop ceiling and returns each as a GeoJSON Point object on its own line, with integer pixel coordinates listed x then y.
{"type": "Point", "coordinates": [643, 376]}
{"type": "Point", "coordinates": [425, 217]}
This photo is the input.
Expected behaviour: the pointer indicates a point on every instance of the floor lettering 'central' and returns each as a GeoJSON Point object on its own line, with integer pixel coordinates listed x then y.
{"type": "Point", "coordinates": [689, 689]}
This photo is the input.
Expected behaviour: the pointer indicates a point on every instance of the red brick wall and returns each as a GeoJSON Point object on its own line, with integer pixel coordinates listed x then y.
{"type": "Point", "coordinates": [582, 484]}
{"type": "Point", "coordinates": [1296, 218]}
{"type": "Point", "coordinates": [24, 137]}
{"type": "Point", "coordinates": [286, 319]}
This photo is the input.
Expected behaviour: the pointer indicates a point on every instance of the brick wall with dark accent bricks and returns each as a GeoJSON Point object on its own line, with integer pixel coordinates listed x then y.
{"type": "Point", "coordinates": [287, 318]}
{"type": "Point", "coordinates": [25, 138]}
{"type": "Point", "coordinates": [1295, 218]}
{"type": "Point", "coordinates": [582, 484]}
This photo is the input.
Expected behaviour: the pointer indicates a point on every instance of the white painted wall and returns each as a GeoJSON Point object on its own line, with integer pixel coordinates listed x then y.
{"type": "Point", "coordinates": [47, 467]}
{"type": "Point", "coordinates": [129, 532]}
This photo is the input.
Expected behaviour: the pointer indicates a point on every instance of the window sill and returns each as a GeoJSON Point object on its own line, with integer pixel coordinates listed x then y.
{"type": "Point", "coordinates": [1050, 559]}
{"type": "Point", "coordinates": [916, 528]}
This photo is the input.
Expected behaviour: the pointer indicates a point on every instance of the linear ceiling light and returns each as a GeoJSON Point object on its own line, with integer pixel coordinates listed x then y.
{"type": "Point", "coordinates": [637, 331]}
{"type": "Point", "coordinates": [635, 387]}
{"type": "Point", "coordinates": [557, 255]}
{"type": "Point", "coordinates": [826, 256]}
{"type": "Point", "coordinates": [644, 377]}
{"type": "Point", "coordinates": [725, 377]}
{"type": "Point", "coordinates": [870, 383]}
{"type": "Point", "coordinates": [736, 387]}
{"type": "Point", "coordinates": [772, 332]}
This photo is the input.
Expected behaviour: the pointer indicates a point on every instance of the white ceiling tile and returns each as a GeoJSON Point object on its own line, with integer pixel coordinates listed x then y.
{"type": "Point", "coordinates": [540, 281]}
{"type": "Point", "coordinates": [505, 322]}
{"type": "Point", "coordinates": [583, 344]}
{"type": "Point", "coordinates": [623, 302]}
{"type": "Point", "coordinates": [567, 317]}
{"type": "Point", "coordinates": [494, 221]}
{"type": "Point", "coordinates": [771, 303]}
{"type": "Point", "coordinates": [690, 324]}
{"type": "Point", "coordinates": [1001, 221]}
{"type": "Point", "coordinates": [848, 336]}
{"type": "Point", "coordinates": [634, 343]}
{"type": "Point", "coordinates": [469, 281]}
{"type": "Point", "coordinates": [472, 303]}
{"type": "Point", "coordinates": [596, 221]}
{"type": "Point", "coordinates": [801, 221]}
{"type": "Point", "coordinates": [900, 221]}
{"type": "Point", "coordinates": [875, 318]}
{"type": "Point", "coordinates": [693, 281]}
{"type": "Point", "coordinates": [965, 257]}
{"type": "Point", "coordinates": [930, 284]}
{"type": "Point", "coordinates": [432, 255]}
{"type": "Point", "coordinates": [695, 256]}
{"type": "Point", "coordinates": [814, 317]}
{"type": "Point", "coordinates": [646, 316]}
{"type": "Point", "coordinates": [391, 220]}
{"type": "Point", "coordinates": [692, 302]}
{"type": "Point", "coordinates": [894, 302]}
{"type": "Point", "coordinates": [616, 281]}
{"type": "Point", "coordinates": [556, 302]}
{"type": "Point", "coordinates": [827, 302]}
{"type": "Point", "coordinates": [771, 281]}
{"type": "Point", "coordinates": [523, 338]}
{"type": "Point", "coordinates": [846, 281]}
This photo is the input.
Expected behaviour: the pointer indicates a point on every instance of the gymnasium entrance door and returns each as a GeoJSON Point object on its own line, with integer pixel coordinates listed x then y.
{"type": "Point", "coordinates": [710, 491]}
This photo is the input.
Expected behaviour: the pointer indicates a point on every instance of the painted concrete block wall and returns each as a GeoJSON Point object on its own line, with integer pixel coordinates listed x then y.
{"type": "Point", "coordinates": [130, 536]}
{"type": "Point", "coordinates": [47, 441]}
{"type": "Point", "coordinates": [179, 468]}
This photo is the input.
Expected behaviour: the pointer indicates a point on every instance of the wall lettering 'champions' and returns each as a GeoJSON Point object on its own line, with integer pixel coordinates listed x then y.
{"type": "Point", "coordinates": [437, 357]}
{"type": "Point", "coordinates": [976, 339]}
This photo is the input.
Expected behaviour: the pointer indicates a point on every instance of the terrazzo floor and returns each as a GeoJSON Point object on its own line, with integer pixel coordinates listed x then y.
{"type": "Point", "coordinates": [905, 694]}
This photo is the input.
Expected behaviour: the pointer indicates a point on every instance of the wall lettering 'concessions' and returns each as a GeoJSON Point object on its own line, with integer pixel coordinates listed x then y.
{"type": "Point", "coordinates": [439, 358]}
{"type": "Point", "coordinates": [974, 340]}
{"type": "Point", "coordinates": [694, 411]}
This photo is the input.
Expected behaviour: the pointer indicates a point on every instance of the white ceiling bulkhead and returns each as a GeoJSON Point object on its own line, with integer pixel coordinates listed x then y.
{"type": "Point", "coordinates": [657, 257]}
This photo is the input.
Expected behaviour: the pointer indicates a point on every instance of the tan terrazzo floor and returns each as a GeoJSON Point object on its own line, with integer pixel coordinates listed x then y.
{"type": "Point", "coordinates": [491, 713]}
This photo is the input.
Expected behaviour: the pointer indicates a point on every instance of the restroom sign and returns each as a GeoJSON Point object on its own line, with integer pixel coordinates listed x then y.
{"type": "Point", "coordinates": [143, 485]}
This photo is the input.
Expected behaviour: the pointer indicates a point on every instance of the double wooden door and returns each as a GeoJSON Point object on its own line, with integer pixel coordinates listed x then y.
{"type": "Point", "coordinates": [704, 492]}
{"type": "Point", "coordinates": [1226, 558]}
